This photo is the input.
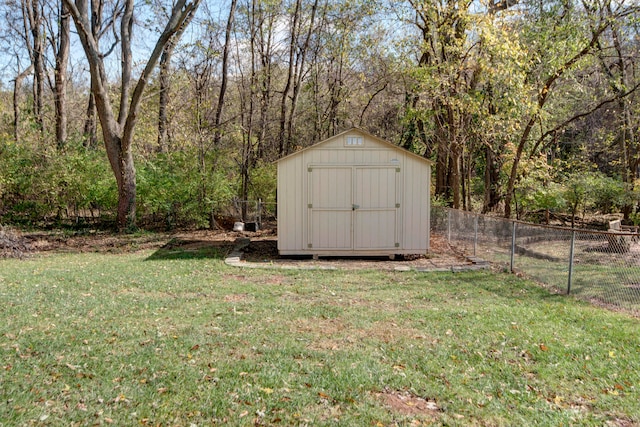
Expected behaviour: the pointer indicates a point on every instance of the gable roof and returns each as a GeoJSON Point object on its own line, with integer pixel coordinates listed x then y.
{"type": "Point", "coordinates": [364, 133]}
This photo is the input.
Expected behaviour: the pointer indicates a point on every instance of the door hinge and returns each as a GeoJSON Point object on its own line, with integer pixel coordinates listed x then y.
{"type": "Point", "coordinates": [310, 245]}
{"type": "Point", "coordinates": [397, 169]}
{"type": "Point", "coordinates": [397, 245]}
{"type": "Point", "coordinates": [310, 205]}
{"type": "Point", "coordinates": [397, 205]}
{"type": "Point", "coordinates": [309, 169]}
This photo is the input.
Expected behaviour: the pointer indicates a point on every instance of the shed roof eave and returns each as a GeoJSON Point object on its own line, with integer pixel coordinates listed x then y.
{"type": "Point", "coordinates": [369, 135]}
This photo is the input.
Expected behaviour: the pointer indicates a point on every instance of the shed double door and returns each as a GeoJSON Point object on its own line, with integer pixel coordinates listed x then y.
{"type": "Point", "coordinates": [353, 207]}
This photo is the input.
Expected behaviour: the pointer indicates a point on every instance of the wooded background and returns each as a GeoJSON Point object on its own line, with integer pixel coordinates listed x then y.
{"type": "Point", "coordinates": [161, 114]}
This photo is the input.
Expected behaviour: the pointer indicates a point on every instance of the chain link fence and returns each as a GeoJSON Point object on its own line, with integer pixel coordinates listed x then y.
{"type": "Point", "coordinates": [600, 267]}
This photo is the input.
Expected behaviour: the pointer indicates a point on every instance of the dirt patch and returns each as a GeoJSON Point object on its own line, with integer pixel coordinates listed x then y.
{"type": "Point", "coordinates": [264, 249]}
{"type": "Point", "coordinates": [405, 403]}
{"type": "Point", "coordinates": [94, 242]}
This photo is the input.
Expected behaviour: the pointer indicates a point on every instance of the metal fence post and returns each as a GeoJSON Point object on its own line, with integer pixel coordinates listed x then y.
{"type": "Point", "coordinates": [475, 234]}
{"type": "Point", "coordinates": [449, 225]}
{"type": "Point", "coordinates": [513, 245]}
{"type": "Point", "coordinates": [573, 245]}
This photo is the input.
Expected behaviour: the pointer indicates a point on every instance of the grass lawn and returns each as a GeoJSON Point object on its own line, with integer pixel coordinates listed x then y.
{"type": "Point", "coordinates": [178, 338]}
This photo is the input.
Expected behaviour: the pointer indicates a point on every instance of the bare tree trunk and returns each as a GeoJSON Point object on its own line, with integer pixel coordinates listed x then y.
{"type": "Point", "coordinates": [441, 143]}
{"type": "Point", "coordinates": [165, 87]}
{"type": "Point", "coordinates": [298, 73]}
{"type": "Point", "coordinates": [627, 136]}
{"type": "Point", "coordinates": [90, 130]}
{"type": "Point", "coordinates": [455, 174]}
{"type": "Point", "coordinates": [17, 88]}
{"type": "Point", "coordinates": [35, 22]}
{"type": "Point", "coordinates": [62, 59]}
{"type": "Point", "coordinates": [247, 116]}
{"type": "Point", "coordinates": [336, 86]}
{"type": "Point", "coordinates": [225, 72]}
{"type": "Point", "coordinates": [265, 33]}
{"type": "Point", "coordinates": [90, 125]}
{"type": "Point", "coordinates": [491, 181]}
{"type": "Point", "coordinates": [293, 38]}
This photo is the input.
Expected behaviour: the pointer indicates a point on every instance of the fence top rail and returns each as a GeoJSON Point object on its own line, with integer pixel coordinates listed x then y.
{"type": "Point", "coordinates": [550, 227]}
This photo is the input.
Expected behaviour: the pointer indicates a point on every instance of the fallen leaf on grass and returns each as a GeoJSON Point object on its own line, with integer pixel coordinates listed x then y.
{"type": "Point", "coordinates": [544, 347]}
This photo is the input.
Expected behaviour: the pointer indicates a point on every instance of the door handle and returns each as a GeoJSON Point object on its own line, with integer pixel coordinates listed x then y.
{"type": "Point", "coordinates": [354, 207]}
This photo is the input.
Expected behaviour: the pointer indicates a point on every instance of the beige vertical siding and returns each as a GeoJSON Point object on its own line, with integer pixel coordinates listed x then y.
{"type": "Point", "coordinates": [337, 199]}
{"type": "Point", "coordinates": [416, 189]}
{"type": "Point", "coordinates": [291, 204]}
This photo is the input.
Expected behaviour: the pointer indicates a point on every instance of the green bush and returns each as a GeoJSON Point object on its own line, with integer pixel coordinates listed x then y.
{"type": "Point", "coordinates": [173, 191]}
{"type": "Point", "coordinates": [39, 185]}
{"type": "Point", "coordinates": [609, 194]}
{"type": "Point", "coordinates": [263, 184]}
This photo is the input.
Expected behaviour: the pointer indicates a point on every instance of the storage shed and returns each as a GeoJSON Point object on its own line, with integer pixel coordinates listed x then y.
{"type": "Point", "coordinates": [353, 195]}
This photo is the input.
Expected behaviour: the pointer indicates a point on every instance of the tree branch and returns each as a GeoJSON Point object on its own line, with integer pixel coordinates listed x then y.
{"type": "Point", "coordinates": [580, 116]}
{"type": "Point", "coordinates": [180, 14]}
